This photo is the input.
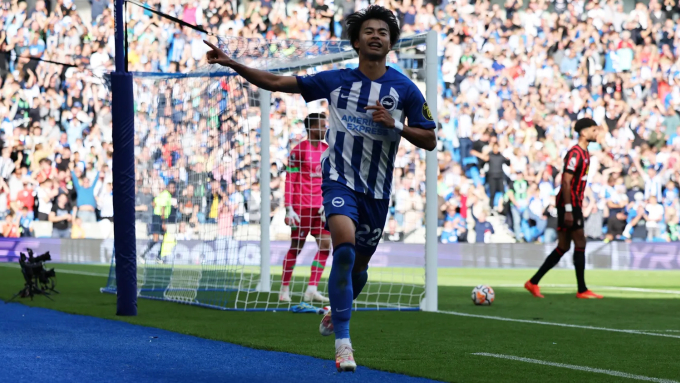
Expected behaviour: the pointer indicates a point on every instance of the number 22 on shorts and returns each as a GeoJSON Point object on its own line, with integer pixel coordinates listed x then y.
{"type": "Point", "coordinates": [366, 236]}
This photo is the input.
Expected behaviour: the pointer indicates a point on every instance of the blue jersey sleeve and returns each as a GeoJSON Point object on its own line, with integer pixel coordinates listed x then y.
{"type": "Point", "coordinates": [418, 113]}
{"type": "Point", "coordinates": [319, 86]}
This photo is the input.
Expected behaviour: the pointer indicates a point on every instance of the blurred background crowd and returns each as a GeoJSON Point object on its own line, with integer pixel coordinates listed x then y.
{"type": "Point", "coordinates": [514, 77]}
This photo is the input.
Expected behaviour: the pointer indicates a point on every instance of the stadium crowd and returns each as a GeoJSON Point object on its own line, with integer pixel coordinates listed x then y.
{"type": "Point", "coordinates": [514, 77]}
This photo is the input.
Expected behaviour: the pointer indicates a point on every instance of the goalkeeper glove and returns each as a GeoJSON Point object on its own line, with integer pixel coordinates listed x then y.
{"type": "Point", "coordinates": [322, 213]}
{"type": "Point", "coordinates": [292, 219]}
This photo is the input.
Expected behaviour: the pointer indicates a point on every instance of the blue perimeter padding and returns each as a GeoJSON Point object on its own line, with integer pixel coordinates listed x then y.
{"type": "Point", "coordinates": [123, 134]}
{"type": "Point", "coordinates": [41, 345]}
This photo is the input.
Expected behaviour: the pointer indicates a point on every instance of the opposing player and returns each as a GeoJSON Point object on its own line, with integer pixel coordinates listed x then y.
{"type": "Point", "coordinates": [570, 219]}
{"type": "Point", "coordinates": [304, 208]}
{"type": "Point", "coordinates": [368, 106]}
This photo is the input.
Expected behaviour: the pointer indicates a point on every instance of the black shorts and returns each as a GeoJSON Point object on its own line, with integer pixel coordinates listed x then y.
{"type": "Point", "coordinates": [578, 223]}
{"type": "Point", "coordinates": [156, 226]}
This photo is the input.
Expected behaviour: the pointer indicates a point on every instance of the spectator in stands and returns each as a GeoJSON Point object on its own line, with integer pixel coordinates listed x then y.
{"type": "Point", "coordinates": [143, 204]}
{"type": "Point", "coordinates": [237, 201]}
{"type": "Point", "coordinates": [654, 213]}
{"type": "Point", "coordinates": [61, 216]}
{"type": "Point", "coordinates": [495, 176]}
{"type": "Point", "coordinates": [616, 225]}
{"type": "Point", "coordinates": [77, 231]}
{"type": "Point", "coordinates": [672, 225]}
{"type": "Point", "coordinates": [413, 211]}
{"type": "Point", "coordinates": [550, 216]}
{"type": "Point", "coordinates": [185, 232]}
{"type": "Point", "coordinates": [214, 200]}
{"type": "Point", "coordinates": [449, 234]}
{"type": "Point", "coordinates": [483, 229]}
{"type": "Point", "coordinates": [105, 202]}
{"type": "Point", "coordinates": [392, 233]}
{"type": "Point", "coordinates": [518, 198]}
{"type": "Point", "coordinates": [11, 228]}
{"type": "Point", "coordinates": [254, 203]}
{"type": "Point", "coordinates": [45, 195]}
{"type": "Point", "coordinates": [86, 202]}
{"type": "Point", "coordinates": [25, 223]}
{"type": "Point", "coordinates": [26, 198]}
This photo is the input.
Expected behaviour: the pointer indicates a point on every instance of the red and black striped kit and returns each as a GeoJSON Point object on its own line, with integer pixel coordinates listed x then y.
{"type": "Point", "coordinates": [576, 162]}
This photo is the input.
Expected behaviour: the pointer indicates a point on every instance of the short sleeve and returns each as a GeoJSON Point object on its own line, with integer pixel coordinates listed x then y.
{"type": "Point", "coordinates": [418, 113]}
{"type": "Point", "coordinates": [319, 86]}
{"type": "Point", "coordinates": [571, 162]}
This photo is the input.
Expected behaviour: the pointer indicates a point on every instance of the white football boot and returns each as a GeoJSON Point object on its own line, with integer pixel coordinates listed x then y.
{"type": "Point", "coordinates": [344, 358]}
{"type": "Point", "coordinates": [313, 295]}
{"type": "Point", "coordinates": [284, 294]}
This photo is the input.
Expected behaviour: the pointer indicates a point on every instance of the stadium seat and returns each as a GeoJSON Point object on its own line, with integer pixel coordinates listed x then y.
{"type": "Point", "coordinates": [42, 229]}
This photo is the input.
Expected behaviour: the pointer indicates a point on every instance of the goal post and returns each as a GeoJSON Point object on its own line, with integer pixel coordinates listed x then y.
{"type": "Point", "coordinates": [207, 134]}
{"type": "Point", "coordinates": [432, 74]}
{"type": "Point", "coordinates": [265, 171]}
{"type": "Point", "coordinates": [122, 107]}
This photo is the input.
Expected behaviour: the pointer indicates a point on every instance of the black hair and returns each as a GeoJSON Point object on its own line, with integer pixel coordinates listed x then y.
{"type": "Point", "coordinates": [313, 117]}
{"type": "Point", "coordinates": [372, 12]}
{"type": "Point", "coordinates": [584, 123]}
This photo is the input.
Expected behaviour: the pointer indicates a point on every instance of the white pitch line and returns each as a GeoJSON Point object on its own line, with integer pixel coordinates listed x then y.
{"type": "Point", "coordinates": [635, 332]}
{"type": "Point", "coordinates": [618, 374]}
{"type": "Point", "coordinates": [614, 288]}
{"type": "Point", "coordinates": [61, 271]}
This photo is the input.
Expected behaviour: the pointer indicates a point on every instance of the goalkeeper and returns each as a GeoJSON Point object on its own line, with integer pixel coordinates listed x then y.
{"type": "Point", "coordinates": [368, 108]}
{"type": "Point", "coordinates": [304, 208]}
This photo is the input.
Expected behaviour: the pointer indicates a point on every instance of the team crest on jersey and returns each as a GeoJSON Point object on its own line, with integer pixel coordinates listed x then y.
{"type": "Point", "coordinates": [427, 113]}
{"type": "Point", "coordinates": [389, 102]}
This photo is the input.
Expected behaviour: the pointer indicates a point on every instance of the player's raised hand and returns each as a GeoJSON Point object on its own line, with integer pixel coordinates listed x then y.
{"type": "Point", "coordinates": [381, 115]}
{"type": "Point", "coordinates": [292, 218]}
{"type": "Point", "coordinates": [217, 56]}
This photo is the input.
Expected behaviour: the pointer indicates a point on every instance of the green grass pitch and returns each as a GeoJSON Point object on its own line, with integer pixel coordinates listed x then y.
{"type": "Point", "coordinates": [438, 345]}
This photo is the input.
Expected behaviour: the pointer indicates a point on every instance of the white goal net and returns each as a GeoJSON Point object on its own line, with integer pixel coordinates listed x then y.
{"type": "Point", "coordinates": [219, 166]}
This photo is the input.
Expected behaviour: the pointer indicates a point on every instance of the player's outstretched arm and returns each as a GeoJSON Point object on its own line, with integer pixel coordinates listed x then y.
{"type": "Point", "coordinates": [422, 138]}
{"type": "Point", "coordinates": [260, 78]}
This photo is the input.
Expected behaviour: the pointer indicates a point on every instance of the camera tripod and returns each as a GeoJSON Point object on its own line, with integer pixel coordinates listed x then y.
{"type": "Point", "coordinates": [35, 287]}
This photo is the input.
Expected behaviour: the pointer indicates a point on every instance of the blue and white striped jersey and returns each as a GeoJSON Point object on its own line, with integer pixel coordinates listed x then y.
{"type": "Point", "coordinates": [361, 152]}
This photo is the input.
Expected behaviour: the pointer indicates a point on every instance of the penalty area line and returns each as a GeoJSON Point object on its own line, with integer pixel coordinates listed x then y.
{"type": "Point", "coordinates": [618, 374]}
{"type": "Point", "coordinates": [635, 332]}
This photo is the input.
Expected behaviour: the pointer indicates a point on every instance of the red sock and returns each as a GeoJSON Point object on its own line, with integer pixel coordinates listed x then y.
{"type": "Point", "coordinates": [288, 266]}
{"type": "Point", "coordinates": [318, 265]}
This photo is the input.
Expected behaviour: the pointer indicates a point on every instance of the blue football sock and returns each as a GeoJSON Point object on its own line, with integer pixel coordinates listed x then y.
{"type": "Point", "coordinates": [358, 282]}
{"type": "Point", "coordinates": [340, 288]}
